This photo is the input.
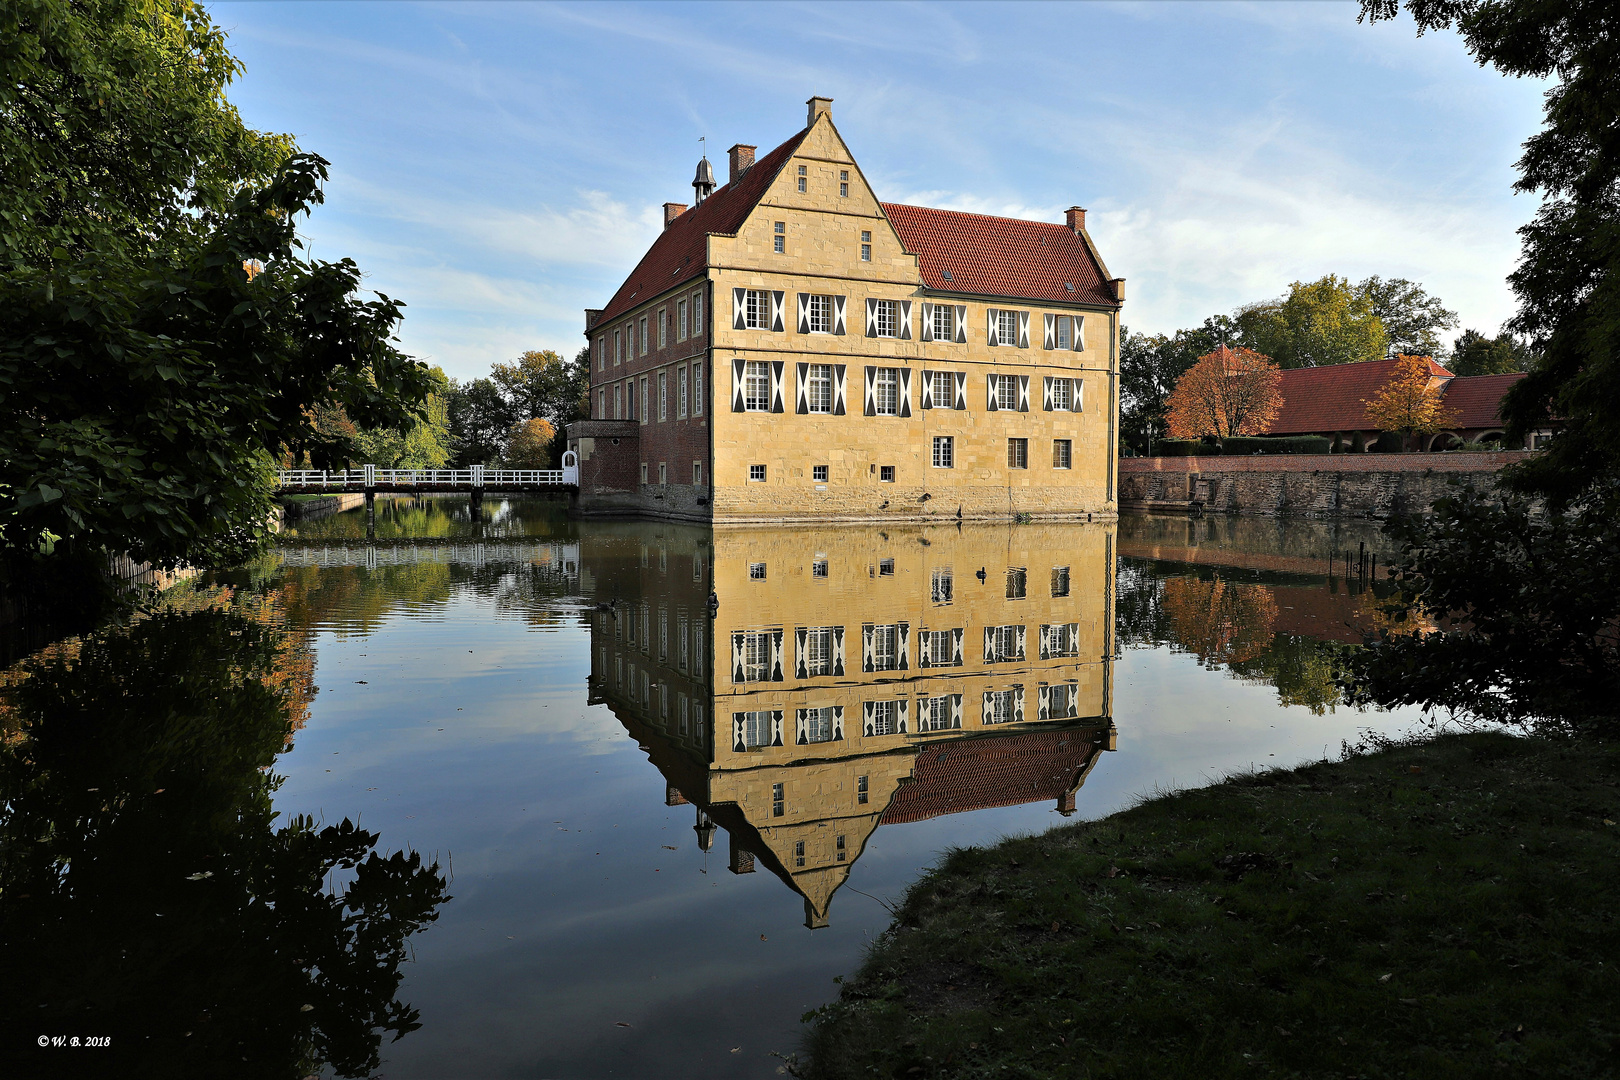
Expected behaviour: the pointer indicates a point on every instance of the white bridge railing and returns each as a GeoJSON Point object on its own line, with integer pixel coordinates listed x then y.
{"type": "Point", "coordinates": [370, 476]}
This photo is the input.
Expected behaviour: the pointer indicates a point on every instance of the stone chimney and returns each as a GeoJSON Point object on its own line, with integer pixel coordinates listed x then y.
{"type": "Point", "coordinates": [592, 317]}
{"type": "Point", "coordinates": [1118, 285]}
{"type": "Point", "coordinates": [741, 158]}
{"type": "Point", "coordinates": [673, 210]}
{"type": "Point", "coordinates": [818, 105]}
{"type": "Point", "coordinates": [1075, 219]}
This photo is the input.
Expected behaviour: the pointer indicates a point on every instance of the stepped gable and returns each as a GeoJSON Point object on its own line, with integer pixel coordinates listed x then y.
{"type": "Point", "coordinates": [1475, 399]}
{"type": "Point", "coordinates": [681, 251]}
{"type": "Point", "coordinates": [1334, 397]}
{"type": "Point", "coordinates": [998, 256]}
{"type": "Point", "coordinates": [996, 770]}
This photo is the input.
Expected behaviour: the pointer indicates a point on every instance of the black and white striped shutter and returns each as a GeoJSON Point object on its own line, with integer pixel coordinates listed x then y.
{"type": "Point", "coordinates": [871, 403]}
{"type": "Point", "coordinates": [776, 656]}
{"type": "Point", "coordinates": [776, 727]}
{"type": "Point", "coordinates": [839, 390]}
{"type": "Point", "coordinates": [739, 309]}
{"type": "Point", "coordinates": [961, 324]}
{"type": "Point", "coordinates": [804, 313]}
{"type": "Point", "coordinates": [737, 742]}
{"type": "Point", "coordinates": [990, 656]}
{"type": "Point", "coordinates": [903, 707]}
{"type": "Point", "coordinates": [905, 646]}
{"type": "Point", "coordinates": [1018, 704]}
{"type": "Point", "coordinates": [961, 390]}
{"type": "Point", "coordinates": [838, 650]}
{"type": "Point", "coordinates": [905, 391]}
{"type": "Point", "coordinates": [1046, 393]}
{"type": "Point", "coordinates": [991, 332]}
{"type": "Point", "coordinates": [956, 646]}
{"type": "Point", "coordinates": [988, 708]}
{"type": "Point", "coordinates": [1049, 336]}
{"type": "Point", "coordinates": [838, 314]}
{"type": "Point", "coordinates": [866, 718]}
{"type": "Point", "coordinates": [926, 331]}
{"type": "Point", "coordinates": [1042, 699]}
{"type": "Point", "coordinates": [1023, 329]}
{"type": "Point", "coordinates": [838, 723]}
{"type": "Point", "coordinates": [1071, 638]}
{"type": "Point", "coordinates": [871, 317]}
{"type": "Point", "coordinates": [991, 384]}
{"type": "Point", "coordinates": [925, 651]}
{"type": "Point", "coordinates": [866, 647]}
{"type": "Point", "coordinates": [801, 399]}
{"type": "Point", "coordinates": [1042, 650]}
{"type": "Point", "coordinates": [737, 673]}
{"type": "Point", "coordinates": [778, 373]}
{"type": "Point", "coordinates": [737, 369]}
{"type": "Point", "coordinates": [800, 671]}
{"type": "Point", "coordinates": [1077, 399]}
{"type": "Point", "coordinates": [1020, 656]}
{"type": "Point", "coordinates": [1023, 393]}
{"type": "Point", "coordinates": [777, 303]}
{"type": "Point", "coordinates": [905, 320]}
{"type": "Point", "coordinates": [1078, 341]}
{"type": "Point", "coordinates": [925, 395]}
{"type": "Point", "coordinates": [799, 725]}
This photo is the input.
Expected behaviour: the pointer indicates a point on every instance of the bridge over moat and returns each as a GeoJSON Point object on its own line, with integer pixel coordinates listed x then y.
{"type": "Point", "coordinates": [474, 482]}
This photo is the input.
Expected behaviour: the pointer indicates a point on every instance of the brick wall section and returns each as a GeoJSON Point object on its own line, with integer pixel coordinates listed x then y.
{"type": "Point", "coordinates": [1303, 485]}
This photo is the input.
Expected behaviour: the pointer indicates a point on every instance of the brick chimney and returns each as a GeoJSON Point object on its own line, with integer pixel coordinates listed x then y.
{"type": "Point", "coordinates": [592, 317]}
{"type": "Point", "coordinates": [673, 210]}
{"type": "Point", "coordinates": [1075, 219]}
{"type": "Point", "coordinates": [741, 158]}
{"type": "Point", "coordinates": [818, 105]}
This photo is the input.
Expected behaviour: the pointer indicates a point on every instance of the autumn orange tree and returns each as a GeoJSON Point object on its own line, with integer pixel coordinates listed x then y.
{"type": "Point", "coordinates": [529, 445]}
{"type": "Point", "coordinates": [1410, 401]}
{"type": "Point", "coordinates": [1228, 392]}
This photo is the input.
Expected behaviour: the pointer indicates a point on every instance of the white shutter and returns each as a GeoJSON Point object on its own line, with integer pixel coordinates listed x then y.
{"type": "Point", "coordinates": [1023, 393]}
{"type": "Point", "coordinates": [804, 313]}
{"type": "Point", "coordinates": [1020, 656]}
{"type": "Point", "coordinates": [956, 646]}
{"type": "Point", "coordinates": [925, 395]}
{"type": "Point", "coordinates": [1049, 334]}
{"type": "Point", "coordinates": [1077, 399]}
{"type": "Point", "coordinates": [905, 391]}
{"type": "Point", "coordinates": [905, 320]}
{"type": "Point", "coordinates": [838, 650]}
{"type": "Point", "coordinates": [903, 706]}
{"type": "Point", "coordinates": [838, 314]}
{"type": "Point", "coordinates": [866, 718]}
{"type": "Point", "coordinates": [1071, 639]}
{"type": "Point", "coordinates": [1079, 333]}
{"type": "Point", "coordinates": [737, 369]}
{"type": "Point", "coordinates": [838, 722]}
{"type": "Point", "coordinates": [840, 391]}
{"type": "Point", "coordinates": [737, 673]}
{"type": "Point", "coordinates": [1046, 392]}
{"type": "Point", "coordinates": [777, 299]}
{"type": "Point", "coordinates": [1042, 696]}
{"type": "Point", "coordinates": [985, 712]}
{"type": "Point", "coordinates": [1023, 329]}
{"type": "Point", "coordinates": [961, 324]}
{"type": "Point", "coordinates": [961, 389]}
{"type": "Point", "coordinates": [991, 383]}
{"type": "Point", "coordinates": [776, 656]}
{"type": "Point", "coordinates": [1043, 651]}
{"type": "Point", "coordinates": [801, 401]}
{"type": "Point", "coordinates": [739, 309]}
{"type": "Point", "coordinates": [956, 711]}
{"type": "Point", "coordinates": [1018, 704]}
{"type": "Point", "coordinates": [991, 337]}
{"type": "Point", "coordinates": [866, 647]}
{"type": "Point", "coordinates": [800, 670]}
{"type": "Point", "coordinates": [871, 404]}
{"type": "Point", "coordinates": [926, 333]}
{"type": "Point", "coordinates": [990, 656]}
{"type": "Point", "coordinates": [777, 376]}
{"type": "Point", "coordinates": [904, 646]}
{"type": "Point", "coordinates": [871, 317]}
{"type": "Point", "coordinates": [925, 651]}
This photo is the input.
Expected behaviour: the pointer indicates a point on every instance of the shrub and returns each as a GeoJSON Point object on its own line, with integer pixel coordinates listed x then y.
{"type": "Point", "coordinates": [1358, 445]}
{"type": "Point", "coordinates": [1291, 444]}
{"type": "Point", "coordinates": [1179, 448]}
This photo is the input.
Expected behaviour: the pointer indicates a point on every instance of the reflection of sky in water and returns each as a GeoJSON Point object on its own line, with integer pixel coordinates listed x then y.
{"type": "Point", "coordinates": [470, 738]}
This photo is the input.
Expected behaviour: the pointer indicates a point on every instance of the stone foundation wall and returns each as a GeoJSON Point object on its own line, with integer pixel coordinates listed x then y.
{"type": "Point", "coordinates": [1303, 485]}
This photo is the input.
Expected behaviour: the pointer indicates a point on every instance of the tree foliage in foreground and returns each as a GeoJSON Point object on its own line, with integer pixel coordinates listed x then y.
{"type": "Point", "coordinates": [148, 381]}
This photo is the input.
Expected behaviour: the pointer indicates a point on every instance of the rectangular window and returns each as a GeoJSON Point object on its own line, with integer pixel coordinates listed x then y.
{"type": "Point", "coordinates": [680, 321]}
{"type": "Point", "coordinates": [934, 714]}
{"type": "Point", "coordinates": [944, 325]}
{"type": "Point", "coordinates": [1062, 394]}
{"type": "Point", "coordinates": [697, 313]}
{"type": "Point", "coordinates": [756, 656]}
{"type": "Point", "coordinates": [1063, 332]}
{"type": "Point", "coordinates": [886, 318]}
{"type": "Point", "coordinates": [1006, 391]}
{"type": "Point", "coordinates": [756, 474]}
{"type": "Point", "coordinates": [618, 401]}
{"type": "Point", "coordinates": [780, 241]}
{"type": "Point", "coordinates": [943, 587]}
{"type": "Point", "coordinates": [757, 309]}
{"type": "Point", "coordinates": [646, 344]}
{"type": "Point", "coordinates": [885, 717]}
{"type": "Point", "coordinates": [818, 388]}
{"type": "Point", "coordinates": [601, 353]}
{"type": "Point", "coordinates": [1002, 706]}
{"type": "Point", "coordinates": [1062, 451]}
{"type": "Point", "coordinates": [697, 389]}
{"type": "Point", "coordinates": [818, 650]}
{"type": "Point", "coordinates": [1017, 453]}
{"type": "Point", "coordinates": [645, 410]}
{"type": "Point", "coordinates": [886, 647]}
{"type": "Point", "coordinates": [818, 314]}
{"type": "Point", "coordinates": [942, 389]}
{"type": "Point", "coordinates": [818, 473]}
{"type": "Point", "coordinates": [862, 789]}
{"type": "Point", "coordinates": [757, 386]}
{"type": "Point", "coordinates": [804, 180]}
{"type": "Point", "coordinates": [757, 732]}
{"type": "Point", "coordinates": [680, 383]}
{"type": "Point", "coordinates": [1060, 581]}
{"type": "Point", "coordinates": [817, 724]}
{"type": "Point", "coordinates": [663, 395]}
{"type": "Point", "coordinates": [697, 472]}
{"type": "Point", "coordinates": [601, 404]}
{"type": "Point", "coordinates": [663, 472]}
{"type": "Point", "coordinates": [941, 653]}
{"type": "Point", "coordinates": [798, 853]}
{"type": "Point", "coordinates": [866, 247]}
{"type": "Point", "coordinates": [778, 807]}
{"type": "Point", "coordinates": [944, 452]}
{"type": "Point", "coordinates": [886, 391]}
{"type": "Point", "coordinates": [618, 349]}
{"type": "Point", "coordinates": [818, 568]}
{"type": "Point", "coordinates": [842, 852]}
{"type": "Point", "coordinates": [1007, 643]}
{"type": "Point", "coordinates": [1007, 327]}
{"type": "Point", "coordinates": [1017, 583]}
{"type": "Point", "coordinates": [663, 327]}
{"type": "Point", "coordinates": [1060, 639]}
{"type": "Point", "coordinates": [1062, 701]}
{"type": "Point", "coordinates": [885, 568]}
{"type": "Point", "coordinates": [843, 183]}
{"type": "Point", "coordinates": [886, 474]}
{"type": "Point", "coordinates": [643, 472]}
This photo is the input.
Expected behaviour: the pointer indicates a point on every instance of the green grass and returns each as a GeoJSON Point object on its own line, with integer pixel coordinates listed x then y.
{"type": "Point", "coordinates": [1443, 909]}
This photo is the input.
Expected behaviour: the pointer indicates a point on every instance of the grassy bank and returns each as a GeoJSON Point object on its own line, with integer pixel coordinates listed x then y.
{"type": "Point", "coordinates": [1446, 909]}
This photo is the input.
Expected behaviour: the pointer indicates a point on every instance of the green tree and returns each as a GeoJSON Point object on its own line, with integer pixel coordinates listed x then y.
{"type": "Point", "coordinates": [545, 385]}
{"type": "Point", "coordinates": [425, 442]}
{"type": "Point", "coordinates": [479, 419]}
{"type": "Point", "coordinates": [1411, 318]}
{"type": "Point", "coordinates": [150, 381]}
{"type": "Point", "coordinates": [529, 445]}
{"type": "Point", "coordinates": [1475, 354]}
{"type": "Point", "coordinates": [1321, 322]}
{"type": "Point", "coordinates": [1149, 367]}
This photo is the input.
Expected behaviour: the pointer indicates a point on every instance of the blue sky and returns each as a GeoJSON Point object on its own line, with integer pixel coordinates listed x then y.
{"type": "Point", "coordinates": [499, 167]}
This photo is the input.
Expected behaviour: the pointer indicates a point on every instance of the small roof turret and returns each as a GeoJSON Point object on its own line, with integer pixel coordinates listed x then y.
{"type": "Point", "coordinates": [703, 182]}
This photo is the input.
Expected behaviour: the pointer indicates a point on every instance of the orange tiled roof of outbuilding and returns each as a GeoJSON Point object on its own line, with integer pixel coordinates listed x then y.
{"type": "Point", "coordinates": [1475, 399]}
{"type": "Point", "coordinates": [1334, 397]}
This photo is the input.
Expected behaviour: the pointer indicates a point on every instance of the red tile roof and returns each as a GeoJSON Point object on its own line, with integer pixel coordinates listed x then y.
{"type": "Point", "coordinates": [997, 256]}
{"type": "Point", "coordinates": [681, 251]}
{"type": "Point", "coordinates": [1333, 397]}
{"type": "Point", "coordinates": [999, 770]}
{"type": "Point", "coordinates": [1476, 398]}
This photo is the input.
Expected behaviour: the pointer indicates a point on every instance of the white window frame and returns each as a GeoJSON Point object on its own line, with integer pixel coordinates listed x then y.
{"type": "Point", "coordinates": [779, 239]}
{"type": "Point", "coordinates": [885, 717]}
{"type": "Point", "coordinates": [944, 322]}
{"type": "Point", "coordinates": [943, 389]}
{"type": "Point", "coordinates": [886, 647]}
{"type": "Point", "coordinates": [934, 713]}
{"type": "Point", "coordinates": [886, 388]}
{"type": "Point", "coordinates": [644, 342]}
{"type": "Point", "coordinates": [1006, 393]}
{"type": "Point", "coordinates": [756, 474]}
{"type": "Point", "coordinates": [942, 586]}
{"type": "Point", "coordinates": [944, 451]}
{"type": "Point", "coordinates": [663, 327]}
{"type": "Point", "coordinates": [757, 386]}
{"type": "Point", "coordinates": [886, 319]}
{"type": "Point", "coordinates": [818, 724]}
{"type": "Point", "coordinates": [1066, 446]}
{"type": "Point", "coordinates": [1062, 394]}
{"type": "Point", "coordinates": [818, 473]}
{"type": "Point", "coordinates": [804, 179]}
{"type": "Point", "coordinates": [697, 312]}
{"type": "Point", "coordinates": [680, 392]}
{"type": "Point", "coordinates": [843, 183]}
{"type": "Point", "coordinates": [866, 246]}
{"type": "Point", "coordinates": [1017, 583]}
{"type": "Point", "coordinates": [818, 651]}
{"type": "Point", "coordinates": [680, 321]}
{"type": "Point", "coordinates": [663, 396]}
{"type": "Point", "coordinates": [697, 388]}
{"type": "Point", "coordinates": [818, 314]}
{"type": "Point", "coordinates": [618, 349]}
{"type": "Point", "coordinates": [1063, 332]}
{"type": "Point", "coordinates": [756, 309]}
{"type": "Point", "coordinates": [1060, 581]}
{"type": "Point", "coordinates": [757, 728]}
{"type": "Point", "coordinates": [818, 388]}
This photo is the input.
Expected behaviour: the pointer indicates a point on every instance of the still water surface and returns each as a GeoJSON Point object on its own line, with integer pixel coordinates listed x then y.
{"type": "Point", "coordinates": [668, 828]}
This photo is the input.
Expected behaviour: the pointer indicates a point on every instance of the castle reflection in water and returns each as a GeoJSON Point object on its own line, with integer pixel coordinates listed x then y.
{"type": "Point", "coordinates": [801, 688]}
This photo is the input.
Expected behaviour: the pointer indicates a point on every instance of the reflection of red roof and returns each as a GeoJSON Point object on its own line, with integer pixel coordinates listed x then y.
{"type": "Point", "coordinates": [1476, 398]}
{"type": "Point", "coordinates": [1334, 397]}
{"type": "Point", "coordinates": [999, 770]}
{"type": "Point", "coordinates": [997, 256]}
{"type": "Point", "coordinates": [681, 251]}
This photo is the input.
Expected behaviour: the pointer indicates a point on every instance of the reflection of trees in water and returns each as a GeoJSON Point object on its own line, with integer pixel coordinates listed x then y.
{"type": "Point", "coordinates": [145, 893]}
{"type": "Point", "coordinates": [357, 600]}
{"type": "Point", "coordinates": [1232, 625]}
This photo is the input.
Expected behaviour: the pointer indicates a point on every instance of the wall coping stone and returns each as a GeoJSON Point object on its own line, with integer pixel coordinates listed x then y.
{"type": "Point", "coordinates": [1451, 462]}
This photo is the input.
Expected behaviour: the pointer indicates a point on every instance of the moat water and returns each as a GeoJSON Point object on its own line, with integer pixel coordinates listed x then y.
{"type": "Point", "coordinates": [663, 824]}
